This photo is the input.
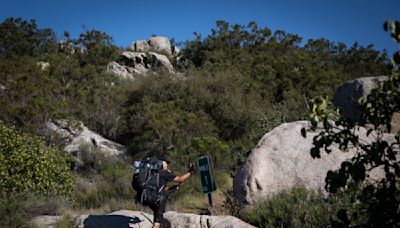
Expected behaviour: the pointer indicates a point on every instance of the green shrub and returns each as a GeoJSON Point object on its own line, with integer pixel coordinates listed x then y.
{"type": "Point", "coordinates": [217, 150]}
{"type": "Point", "coordinates": [27, 165]}
{"type": "Point", "coordinates": [231, 204]}
{"type": "Point", "coordinates": [17, 210]}
{"type": "Point", "coordinates": [34, 179]}
{"type": "Point", "coordinates": [119, 175]}
{"type": "Point", "coordinates": [11, 212]}
{"type": "Point", "coordinates": [95, 197]}
{"type": "Point", "coordinates": [295, 208]}
{"type": "Point", "coordinates": [90, 160]}
{"type": "Point", "coordinates": [107, 189]}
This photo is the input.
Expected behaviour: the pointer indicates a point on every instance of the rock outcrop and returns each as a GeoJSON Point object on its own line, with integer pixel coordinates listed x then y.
{"type": "Point", "coordinates": [160, 44]}
{"type": "Point", "coordinates": [348, 95]}
{"type": "Point", "coordinates": [156, 44]}
{"type": "Point", "coordinates": [135, 62]}
{"type": "Point", "coordinates": [282, 160]}
{"type": "Point", "coordinates": [125, 218]}
{"type": "Point", "coordinates": [145, 56]}
{"type": "Point", "coordinates": [43, 65]}
{"type": "Point", "coordinates": [74, 136]}
{"type": "Point", "coordinates": [182, 220]}
{"type": "Point", "coordinates": [131, 63]}
{"type": "Point", "coordinates": [395, 123]}
{"type": "Point", "coordinates": [140, 46]}
{"type": "Point", "coordinates": [121, 71]}
{"type": "Point", "coordinates": [161, 62]}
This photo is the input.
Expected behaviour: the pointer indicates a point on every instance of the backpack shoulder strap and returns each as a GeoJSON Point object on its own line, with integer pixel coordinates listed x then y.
{"type": "Point", "coordinates": [158, 179]}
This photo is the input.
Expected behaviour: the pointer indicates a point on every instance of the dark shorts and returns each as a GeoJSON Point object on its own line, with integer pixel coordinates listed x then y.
{"type": "Point", "coordinates": [158, 212]}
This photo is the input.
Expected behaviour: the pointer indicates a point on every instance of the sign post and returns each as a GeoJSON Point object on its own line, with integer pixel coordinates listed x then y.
{"type": "Point", "coordinates": [206, 177]}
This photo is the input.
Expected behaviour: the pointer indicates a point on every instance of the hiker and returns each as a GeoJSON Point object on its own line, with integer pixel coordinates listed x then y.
{"type": "Point", "coordinates": [155, 197]}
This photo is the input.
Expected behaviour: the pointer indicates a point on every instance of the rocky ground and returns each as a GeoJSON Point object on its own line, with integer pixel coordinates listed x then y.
{"type": "Point", "coordinates": [126, 218]}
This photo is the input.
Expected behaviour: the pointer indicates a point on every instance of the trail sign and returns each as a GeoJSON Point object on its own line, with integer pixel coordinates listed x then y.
{"type": "Point", "coordinates": [206, 177]}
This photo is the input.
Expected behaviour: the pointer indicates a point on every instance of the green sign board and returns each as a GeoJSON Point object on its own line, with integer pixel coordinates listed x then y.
{"type": "Point", "coordinates": [207, 179]}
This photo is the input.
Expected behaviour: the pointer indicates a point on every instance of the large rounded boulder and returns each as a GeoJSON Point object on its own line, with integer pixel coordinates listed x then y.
{"type": "Point", "coordinates": [349, 94]}
{"type": "Point", "coordinates": [160, 44]}
{"type": "Point", "coordinates": [282, 160]}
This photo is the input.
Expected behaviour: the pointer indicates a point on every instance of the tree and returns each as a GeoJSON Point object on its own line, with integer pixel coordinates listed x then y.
{"type": "Point", "coordinates": [211, 146]}
{"type": "Point", "coordinates": [378, 203]}
{"type": "Point", "coordinates": [23, 38]}
{"type": "Point", "coordinates": [97, 48]}
{"type": "Point", "coordinates": [155, 126]}
{"type": "Point", "coordinates": [28, 99]}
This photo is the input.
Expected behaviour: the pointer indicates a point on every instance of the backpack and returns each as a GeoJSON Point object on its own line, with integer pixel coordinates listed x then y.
{"type": "Point", "coordinates": [145, 181]}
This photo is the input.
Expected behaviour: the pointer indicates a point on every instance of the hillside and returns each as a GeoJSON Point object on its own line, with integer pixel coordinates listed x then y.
{"type": "Point", "coordinates": [216, 96]}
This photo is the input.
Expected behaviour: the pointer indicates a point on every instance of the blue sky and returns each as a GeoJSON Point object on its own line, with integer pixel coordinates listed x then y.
{"type": "Point", "coordinates": [347, 21]}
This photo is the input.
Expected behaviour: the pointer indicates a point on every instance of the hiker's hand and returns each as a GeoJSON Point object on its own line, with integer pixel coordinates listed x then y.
{"type": "Point", "coordinates": [173, 187]}
{"type": "Point", "coordinates": [191, 167]}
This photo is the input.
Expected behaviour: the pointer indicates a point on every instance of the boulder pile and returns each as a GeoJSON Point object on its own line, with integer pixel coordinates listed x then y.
{"type": "Point", "coordinates": [144, 57]}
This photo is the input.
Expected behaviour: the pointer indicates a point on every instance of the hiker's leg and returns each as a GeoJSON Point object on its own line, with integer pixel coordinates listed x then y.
{"type": "Point", "coordinates": [164, 222]}
{"type": "Point", "coordinates": [158, 213]}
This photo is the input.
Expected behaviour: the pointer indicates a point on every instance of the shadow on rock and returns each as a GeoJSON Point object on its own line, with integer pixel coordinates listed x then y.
{"type": "Point", "coordinates": [106, 221]}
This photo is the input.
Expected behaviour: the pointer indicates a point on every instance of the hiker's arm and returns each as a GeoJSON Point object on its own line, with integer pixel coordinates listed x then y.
{"type": "Point", "coordinates": [182, 178]}
{"type": "Point", "coordinates": [191, 170]}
